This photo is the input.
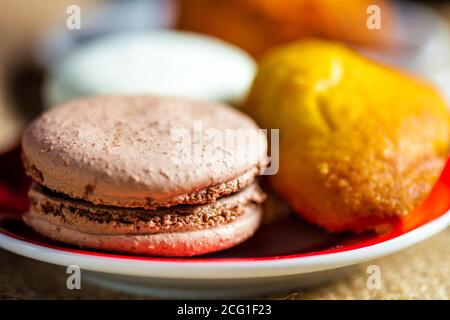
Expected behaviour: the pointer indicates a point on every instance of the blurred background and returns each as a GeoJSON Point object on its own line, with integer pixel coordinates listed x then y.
{"type": "Point", "coordinates": [35, 36]}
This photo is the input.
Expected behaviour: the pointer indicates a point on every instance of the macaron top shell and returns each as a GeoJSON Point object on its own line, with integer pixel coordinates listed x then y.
{"type": "Point", "coordinates": [155, 62]}
{"type": "Point", "coordinates": [141, 151]}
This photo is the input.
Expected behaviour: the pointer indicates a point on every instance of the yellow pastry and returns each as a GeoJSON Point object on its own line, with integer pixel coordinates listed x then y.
{"type": "Point", "coordinates": [361, 144]}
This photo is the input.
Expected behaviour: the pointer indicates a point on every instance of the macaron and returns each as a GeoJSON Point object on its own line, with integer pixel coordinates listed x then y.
{"type": "Point", "coordinates": [161, 62]}
{"type": "Point", "coordinates": [145, 175]}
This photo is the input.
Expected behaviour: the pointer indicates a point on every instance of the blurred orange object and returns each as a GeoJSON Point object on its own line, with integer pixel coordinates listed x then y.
{"type": "Point", "coordinates": [257, 25]}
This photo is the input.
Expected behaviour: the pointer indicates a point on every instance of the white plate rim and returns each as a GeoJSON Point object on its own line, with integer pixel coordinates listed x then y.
{"type": "Point", "coordinates": [224, 269]}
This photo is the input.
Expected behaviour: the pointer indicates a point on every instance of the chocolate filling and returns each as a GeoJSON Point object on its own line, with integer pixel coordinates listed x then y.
{"type": "Point", "coordinates": [207, 195]}
{"type": "Point", "coordinates": [60, 209]}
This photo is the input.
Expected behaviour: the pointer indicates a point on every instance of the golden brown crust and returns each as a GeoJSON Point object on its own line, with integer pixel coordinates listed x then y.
{"type": "Point", "coordinates": [365, 195]}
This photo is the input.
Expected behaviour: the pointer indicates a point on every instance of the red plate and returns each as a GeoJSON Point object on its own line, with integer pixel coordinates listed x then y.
{"type": "Point", "coordinates": [291, 238]}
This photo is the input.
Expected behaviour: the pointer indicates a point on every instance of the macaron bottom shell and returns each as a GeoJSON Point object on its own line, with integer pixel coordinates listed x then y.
{"type": "Point", "coordinates": [178, 231]}
{"type": "Point", "coordinates": [182, 244]}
